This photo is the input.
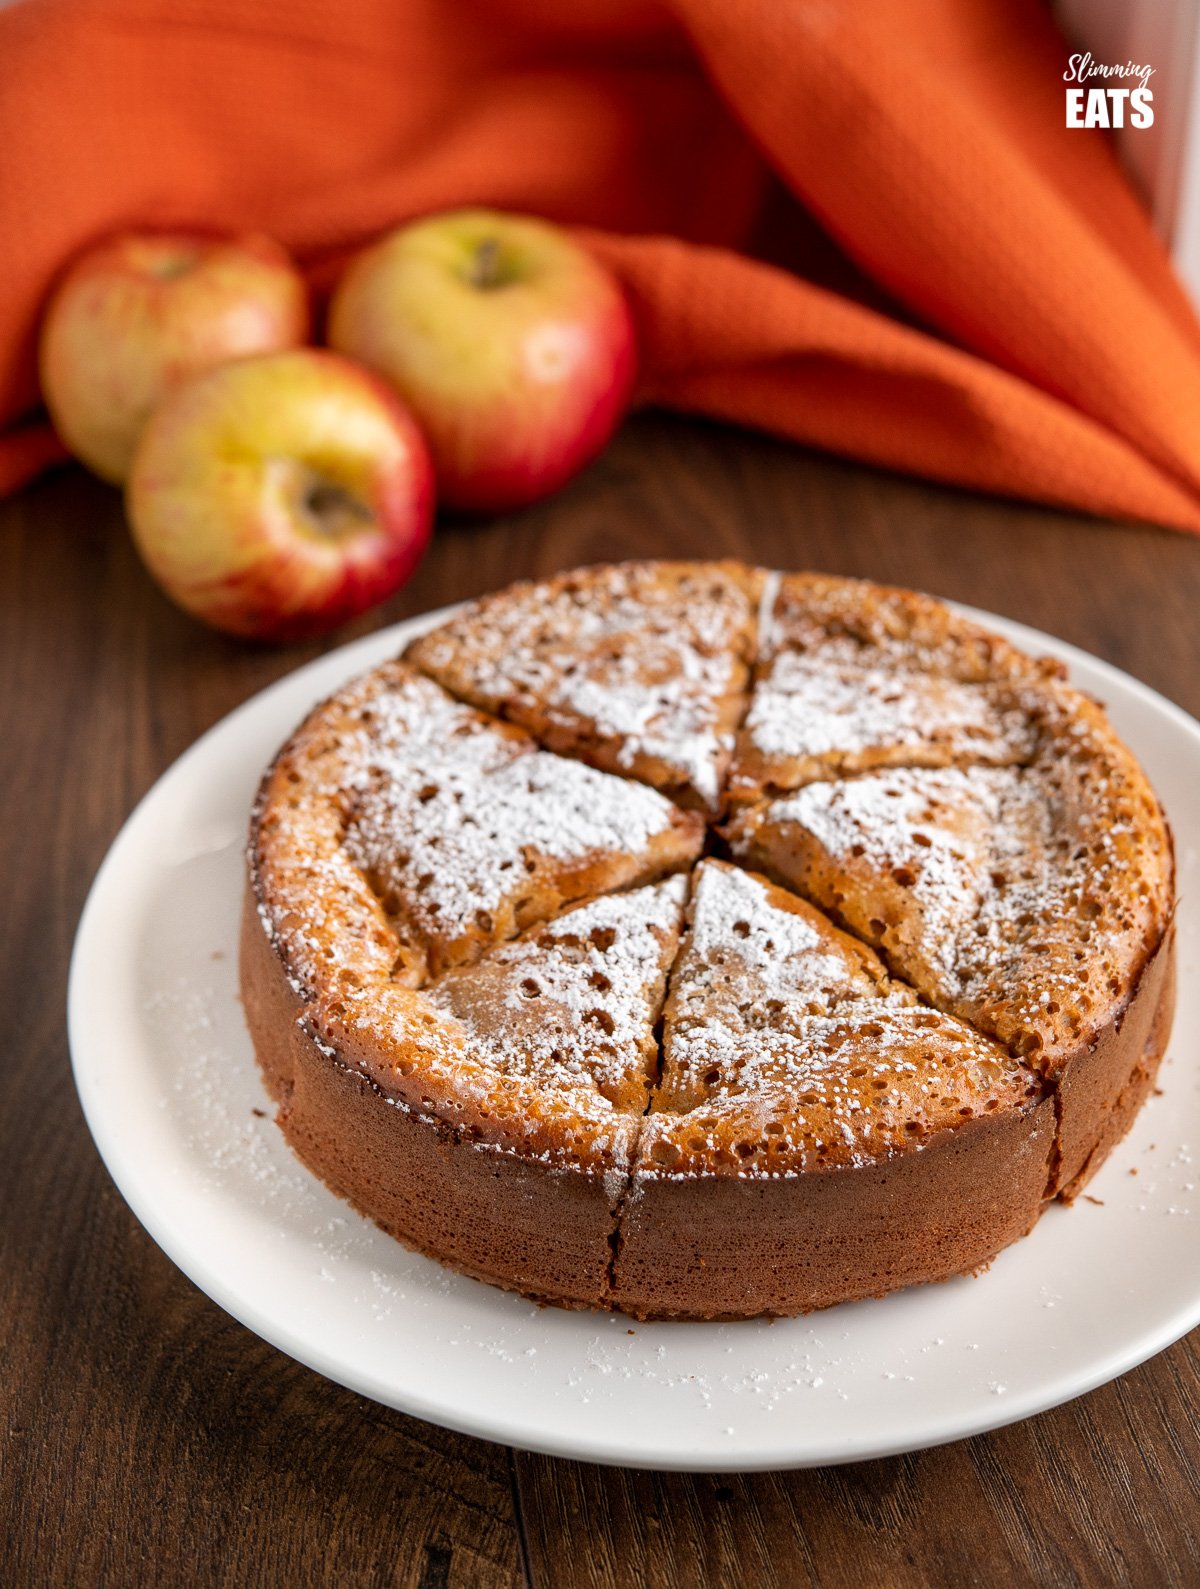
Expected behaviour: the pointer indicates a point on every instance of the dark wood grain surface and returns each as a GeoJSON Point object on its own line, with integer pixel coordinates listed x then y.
{"type": "Point", "coordinates": [147, 1439]}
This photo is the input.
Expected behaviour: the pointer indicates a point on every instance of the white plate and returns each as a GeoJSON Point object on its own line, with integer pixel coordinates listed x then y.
{"type": "Point", "coordinates": [171, 1093]}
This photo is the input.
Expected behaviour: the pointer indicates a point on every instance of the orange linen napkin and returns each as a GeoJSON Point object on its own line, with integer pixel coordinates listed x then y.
{"type": "Point", "coordinates": [1000, 314]}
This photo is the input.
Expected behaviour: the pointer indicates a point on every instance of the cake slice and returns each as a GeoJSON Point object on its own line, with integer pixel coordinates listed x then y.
{"type": "Point", "coordinates": [904, 858]}
{"type": "Point", "coordinates": [469, 833]}
{"type": "Point", "coordinates": [637, 668]}
{"type": "Point", "coordinates": [1024, 899]}
{"type": "Point", "coordinates": [786, 1045]}
{"type": "Point", "coordinates": [497, 1111]}
{"type": "Point", "coordinates": [853, 676]}
{"type": "Point", "coordinates": [1030, 901]}
{"type": "Point", "coordinates": [545, 1046]}
{"type": "Point", "coordinates": [571, 1006]}
{"type": "Point", "coordinates": [401, 832]}
{"type": "Point", "coordinates": [802, 1089]}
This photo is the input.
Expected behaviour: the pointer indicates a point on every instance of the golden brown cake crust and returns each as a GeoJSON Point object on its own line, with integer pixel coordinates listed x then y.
{"type": "Point", "coordinates": [1024, 899]}
{"type": "Point", "coordinates": [787, 1048]}
{"type": "Point", "coordinates": [508, 1011]}
{"type": "Point", "coordinates": [516, 1222]}
{"type": "Point", "coordinates": [852, 675]}
{"type": "Point", "coordinates": [833, 1235]}
{"type": "Point", "coordinates": [637, 668]}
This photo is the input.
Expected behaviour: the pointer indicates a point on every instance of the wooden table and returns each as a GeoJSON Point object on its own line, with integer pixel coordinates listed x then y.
{"type": "Point", "coordinates": [150, 1440]}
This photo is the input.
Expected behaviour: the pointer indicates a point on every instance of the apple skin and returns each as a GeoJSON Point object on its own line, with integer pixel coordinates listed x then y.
{"type": "Point", "coordinates": [512, 345]}
{"type": "Point", "coordinates": [277, 497]}
{"type": "Point", "coordinates": [141, 313]}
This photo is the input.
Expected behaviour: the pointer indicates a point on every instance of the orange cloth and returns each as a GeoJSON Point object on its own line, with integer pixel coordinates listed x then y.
{"type": "Point", "coordinates": [1000, 314]}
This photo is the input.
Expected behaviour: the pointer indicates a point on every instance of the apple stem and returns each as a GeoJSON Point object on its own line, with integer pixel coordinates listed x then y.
{"type": "Point", "coordinates": [335, 511]}
{"type": "Point", "coordinates": [169, 269]}
{"type": "Point", "coordinates": [165, 263]}
{"type": "Point", "coordinates": [485, 265]}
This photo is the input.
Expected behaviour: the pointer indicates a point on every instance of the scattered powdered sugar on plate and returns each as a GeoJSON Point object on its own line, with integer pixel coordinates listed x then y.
{"type": "Point", "coordinates": [415, 1335]}
{"type": "Point", "coordinates": [207, 1097]}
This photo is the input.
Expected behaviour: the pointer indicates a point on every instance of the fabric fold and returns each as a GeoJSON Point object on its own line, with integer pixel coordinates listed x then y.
{"type": "Point", "coordinates": [1047, 351]}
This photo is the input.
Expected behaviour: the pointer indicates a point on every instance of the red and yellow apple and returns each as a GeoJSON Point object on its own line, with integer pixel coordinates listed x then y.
{"type": "Point", "coordinates": [140, 313]}
{"type": "Point", "coordinates": [511, 344]}
{"type": "Point", "coordinates": [276, 497]}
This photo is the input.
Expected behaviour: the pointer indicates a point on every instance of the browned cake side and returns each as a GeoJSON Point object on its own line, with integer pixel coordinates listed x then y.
{"type": "Point", "coordinates": [855, 1139]}
{"type": "Point", "coordinates": [540, 1228]}
{"type": "Point", "coordinates": [1032, 901]}
{"type": "Point", "coordinates": [508, 1012]}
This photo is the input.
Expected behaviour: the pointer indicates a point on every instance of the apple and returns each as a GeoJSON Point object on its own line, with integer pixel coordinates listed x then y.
{"type": "Point", "coordinates": [276, 497]}
{"type": "Point", "coordinates": [140, 313]}
{"type": "Point", "coordinates": [511, 344]}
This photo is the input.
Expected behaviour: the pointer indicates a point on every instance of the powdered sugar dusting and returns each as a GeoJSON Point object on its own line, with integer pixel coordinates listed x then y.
{"type": "Point", "coordinates": [813, 706]}
{"type": "Point", "coordinates": [791, 950]}
{"type": "Point", "coordinates": [670, 721]}
{"type": "Point", "coordinates": [767, 598]}
{"type": "Point", "coordinates": [853, 675]}
{"type": "Point", "coordinates": [935, 826]}
{"type": "Point", "coordinates": [1024, 899]}
{"type": "Point", "coordinates": [456, 821]}
{"type": "Point", "coordinates": [639, 665]}
{"type": "Point", "coordinates": [574, 1003]}
{"type": "Point", "coordinates": [786, 1045]}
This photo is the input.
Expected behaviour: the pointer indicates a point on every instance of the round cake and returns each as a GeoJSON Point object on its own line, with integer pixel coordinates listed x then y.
{"type": "Point", "coordinates": [699, 942]}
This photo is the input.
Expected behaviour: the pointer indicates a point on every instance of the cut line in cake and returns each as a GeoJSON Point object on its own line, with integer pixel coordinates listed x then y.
{"type": "Point", "coordinates": [466, 959]}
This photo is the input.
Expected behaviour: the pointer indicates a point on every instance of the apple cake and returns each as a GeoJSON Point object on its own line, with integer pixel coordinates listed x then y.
{"type": "Point", "coordinates": [702, 943]}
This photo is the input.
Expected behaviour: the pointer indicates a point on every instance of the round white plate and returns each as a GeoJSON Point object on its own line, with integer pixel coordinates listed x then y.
{"type": "Point", "coordinates": [171, 1093]}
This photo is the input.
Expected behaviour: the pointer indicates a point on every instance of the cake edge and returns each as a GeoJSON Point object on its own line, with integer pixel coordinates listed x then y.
{"type": "Point", "coordinates": [659, 1249]}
